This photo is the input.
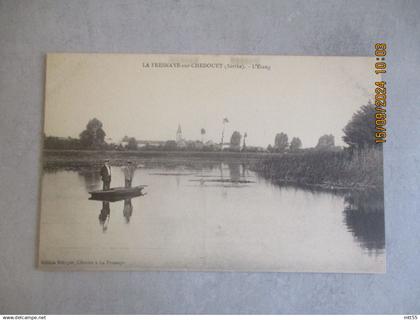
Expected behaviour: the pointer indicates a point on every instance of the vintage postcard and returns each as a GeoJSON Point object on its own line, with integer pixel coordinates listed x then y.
{"type": "Point", "coordinates": [211, 163]}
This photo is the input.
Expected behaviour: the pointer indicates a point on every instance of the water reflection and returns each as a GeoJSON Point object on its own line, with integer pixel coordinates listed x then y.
{"type": "Point", "coordinates": [360, 214]}
{"type": "Point", "coordinates": [363, 213]}
{"type": "Point", "coordinates": [128, 210]}
{"type": "Point", "coordinates": [91, 178]}
{"type": "Point", "coordinates": [104, 215]}
{"type": "Point", "coordinates": [234, 172]}
{"type": "Point", "coordinates": [105, 212]}
{"type": "Point", "coordinates": [364, 218]}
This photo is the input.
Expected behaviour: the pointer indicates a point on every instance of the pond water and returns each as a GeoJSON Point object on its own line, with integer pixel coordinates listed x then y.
{"type": "Point", "coordinates": [201, 215]}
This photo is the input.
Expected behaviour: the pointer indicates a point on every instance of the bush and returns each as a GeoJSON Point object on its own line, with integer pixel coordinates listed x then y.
{"type": "Point", "coordinates": [327, 167]}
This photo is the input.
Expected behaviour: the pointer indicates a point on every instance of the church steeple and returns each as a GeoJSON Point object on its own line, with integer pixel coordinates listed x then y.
{"type": "Point", "coordinates": [179, 134]}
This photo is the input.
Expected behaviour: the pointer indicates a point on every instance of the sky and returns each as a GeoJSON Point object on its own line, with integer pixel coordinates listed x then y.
{"type": "Point", "coordinates": [302, 96]}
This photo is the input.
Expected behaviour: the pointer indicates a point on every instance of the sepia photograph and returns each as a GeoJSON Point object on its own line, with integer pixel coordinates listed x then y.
{"type": "Point", "coordinates": [211, 163]}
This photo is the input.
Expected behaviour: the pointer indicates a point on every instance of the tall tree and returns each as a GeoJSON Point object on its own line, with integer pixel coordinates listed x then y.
{"type": "Point", "coordinates": [281, 142]}
{"type": "Point", "coordinates": [132, 144]}
{"type": "Point", "coordinates": [325, 142]}
{"type": "Point", "coordinates": [235, 140]}
{"type": "Point", "coordinates": [360, 130]}
{"type": "Point", "coordinates": [94, 135]}
{"type": "Point", "coordinates": [295, 144]}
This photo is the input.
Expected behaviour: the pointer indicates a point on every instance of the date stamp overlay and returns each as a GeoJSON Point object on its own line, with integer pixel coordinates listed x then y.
{"type": "Point", "coordinates": [380, 94]}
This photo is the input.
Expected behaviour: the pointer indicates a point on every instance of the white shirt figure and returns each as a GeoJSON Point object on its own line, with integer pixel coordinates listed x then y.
{"type": "Point", "coordinates": [128, 174]}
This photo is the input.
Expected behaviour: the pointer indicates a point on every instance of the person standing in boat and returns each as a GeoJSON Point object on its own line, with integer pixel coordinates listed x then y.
{"type": "Point", "coordinates": [106, 175]}
{"type": "Point", "coordinates": [128, 171]}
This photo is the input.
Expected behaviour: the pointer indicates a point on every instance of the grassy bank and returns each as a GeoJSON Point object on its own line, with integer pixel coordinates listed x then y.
{"type": "Point", "coordinates": [326, 169]}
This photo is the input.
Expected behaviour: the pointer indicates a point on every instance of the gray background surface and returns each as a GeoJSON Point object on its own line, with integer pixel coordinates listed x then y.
{"type": "Point", "coordinates": [29, 29]}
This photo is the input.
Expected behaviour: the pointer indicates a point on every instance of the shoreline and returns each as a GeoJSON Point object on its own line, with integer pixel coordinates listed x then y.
{"type": "Point", "coordinates": [331, 187]}
{"type": "Point", "coordinates": [162, 152]}
{"type": "Point", "coordinates": [76, 158]}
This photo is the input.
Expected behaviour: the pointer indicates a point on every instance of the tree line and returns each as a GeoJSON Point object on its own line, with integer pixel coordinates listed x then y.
{"type": "Point", "coordinates": [358, 166]}
{"type": "Point", "coordinates": [358, 134]}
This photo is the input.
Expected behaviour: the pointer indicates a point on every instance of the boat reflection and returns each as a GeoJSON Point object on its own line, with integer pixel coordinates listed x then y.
{"type": "Point", "coordinates": [105, 211]}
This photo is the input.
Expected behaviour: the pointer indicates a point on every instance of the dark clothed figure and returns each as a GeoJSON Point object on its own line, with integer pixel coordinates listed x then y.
{"type": "Point", "coordinates": [106, 176]}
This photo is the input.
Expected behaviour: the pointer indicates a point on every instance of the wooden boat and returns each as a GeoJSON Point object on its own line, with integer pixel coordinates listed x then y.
{"type": "Point", "coordinates": [115, 194]}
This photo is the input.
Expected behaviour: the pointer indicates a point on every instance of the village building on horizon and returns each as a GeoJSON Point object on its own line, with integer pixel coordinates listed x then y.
{"type": "Point", "coordinates": [181, 143]}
